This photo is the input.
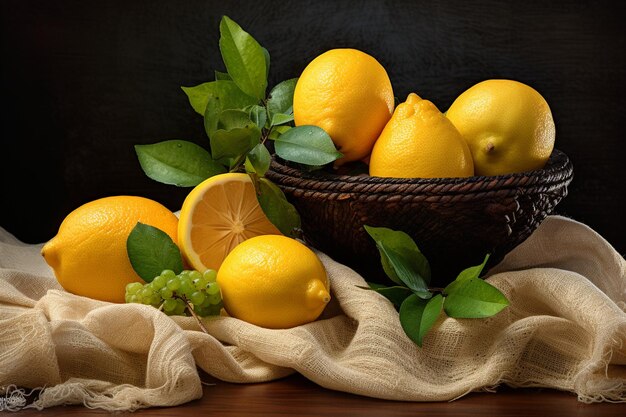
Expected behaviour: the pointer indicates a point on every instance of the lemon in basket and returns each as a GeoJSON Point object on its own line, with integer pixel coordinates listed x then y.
{"type": "Point", "coordinates": [217, 215]}
{"type": "Point", "coordinates": [507, 124]}
{"type": "Point", "coordinates": [273, 281]}
{"type": "Point", "coordinates": [88, 254]}
{"type": "Point", "coordinates": [347, 93]}
{"type": "Point", "coordinates": [420, 142]}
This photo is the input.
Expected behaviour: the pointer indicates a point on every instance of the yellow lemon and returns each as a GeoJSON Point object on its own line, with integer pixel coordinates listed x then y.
{"type": "Point", "coordinates": [216, 216]}
{"type": "Point", "coordinates": [88, 254]}
{"type": "Point", "coordinates": [273, 281]}
{"type": "Point", "coordinates": [347, 93]}
{"type": "Point", "coordinates": [508, 126]}
{"type": "Point", "coordinates": [420, 142]}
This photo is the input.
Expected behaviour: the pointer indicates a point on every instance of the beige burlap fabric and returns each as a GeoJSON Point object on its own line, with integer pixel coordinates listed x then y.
{"type": "Point", "coordinates": [565, 329]}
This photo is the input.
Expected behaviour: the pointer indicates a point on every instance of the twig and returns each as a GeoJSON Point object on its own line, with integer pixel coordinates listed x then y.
{"type": "Point", "coordinates": [195, 316]}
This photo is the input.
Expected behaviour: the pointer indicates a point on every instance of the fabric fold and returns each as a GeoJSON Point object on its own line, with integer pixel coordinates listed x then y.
{"type": "Point", "coordinates": [565, 328]}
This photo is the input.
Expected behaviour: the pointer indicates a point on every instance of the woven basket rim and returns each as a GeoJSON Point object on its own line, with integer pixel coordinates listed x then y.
{"type": "Point", "coordinates": [558, 170]}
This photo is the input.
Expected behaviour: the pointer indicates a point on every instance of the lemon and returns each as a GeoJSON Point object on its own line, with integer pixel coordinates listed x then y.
{"type": "Point", "coordinates": [273, 281]}
{"type": "Point", "coordinates": [217, 215]}
{"type": "Point", "coordinates": [347, 93]}
{"type": "Point", "coordinates": [420, 142]}
{"type": "Point", "coordinates": [88, 254]}
{"type": "Point", "coordinates": [507, 124]}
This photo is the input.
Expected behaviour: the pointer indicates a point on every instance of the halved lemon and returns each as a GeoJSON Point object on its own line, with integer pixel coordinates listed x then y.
{"type": "Point", "coordinates": [217, 215]}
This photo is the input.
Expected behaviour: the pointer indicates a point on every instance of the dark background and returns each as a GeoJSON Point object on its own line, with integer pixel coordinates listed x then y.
{"type": "Point", "coordinates": [83, 81]}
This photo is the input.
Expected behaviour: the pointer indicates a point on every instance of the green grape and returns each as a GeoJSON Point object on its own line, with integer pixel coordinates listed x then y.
{"type": "Point", "coordinates": [184, 277]}
{"type": "Point", "coordinates": [202, 312]}
{"type": "Point", "coordinates": [159, 282]}
{"type": "Point", "coordinates": [211, 310]}
{"type": "Point", "coordinates": [170, 292]}
{"type": "Point", "coordinates": [173, 283]}
{"type": "Point", "coordinates": [168, 274]}
{"type": "Point", "coordinates": [197, 298]}
{"type": "Point", "coordinates": [133, 288]}
{"type": "Point", "coordinates": [180, 308]}
{"type": "Point", "coordinates": [169, 305]}
{"type": "Point", "coordinates": [200, 283]}
{"type": "Point", "coordinates": [215, 310]}
{"type": "Point", "coordinates": [206, 302]}
{"type": "Point", "coordinates": [166, 293]}
{"type": "Point", "coordinates": [213, 288]}
{"type": "Point", "coordinates": [186, 289]}
{"type": "Point", "coordinates": [214, 299]}
{"type": "Point", "coordinates": [210, 275]}
{"type": "Point", "coordinates": [194, 275]}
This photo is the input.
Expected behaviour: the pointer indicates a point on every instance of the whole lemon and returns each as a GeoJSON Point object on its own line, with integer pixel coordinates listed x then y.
{"type": "Point", "coordinates": [420, 142]}
{"type": "Point", "coordinates": [273, 281]}
{"type": "Point", "coordinates": [88, 254]}
{"type": "Point", "coordinates": [347, 93]}
{"type": "Point", "coordinates": [507, 124]}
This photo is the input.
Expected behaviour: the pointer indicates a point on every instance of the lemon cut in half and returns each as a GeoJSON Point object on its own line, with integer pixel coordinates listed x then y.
{"type": "Point", "coordinates": [217, 215]}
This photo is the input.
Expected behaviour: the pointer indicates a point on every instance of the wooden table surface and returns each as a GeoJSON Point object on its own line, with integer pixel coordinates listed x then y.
{"type": "Point", "coordinates": [297, 396]}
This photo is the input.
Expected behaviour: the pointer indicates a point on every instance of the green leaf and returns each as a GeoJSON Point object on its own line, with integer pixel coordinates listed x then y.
{"type": "Point", "coordinates": [198, 96]}
{"type": "Point", "coordinates": [474, 298]}
{"type": "Point", "coordinates": [228, 94]}
{"type": "Point", "coordinates": [473, 271]}
{"type": "Point", "coordinates": [244, 58]}
{"type": "Point", "coordinates": [212, 115]}
{"type": "Point", "coordinates": [402, 244]}
{"type": "Point", "coordinates": [279, 118]}
{"type": "Point", "coordinates": [151, 250]}
{"type": "Point", "coordinates": [276, 207]}
{"type": "Point", "coordinates": [281, 97]}
{"type": "Point", "coordinates": [266, 54]}
{"type": "Point", "coordinates": [280, 102]}
{"type": "Point", "coordinates": [433, 309]}
{"type": "Point", "coordinates": [418, 316]}
{"type": "Point", "coordinates": [258, 160]}
{"type": "Point", "coordinates": [223, 95]}
{"type": "Point", "coordinates": [308, 145]}
{"type": "Point", "coordinates": [258, 115]}
{"type": "Point", "coordinates": [235, 142]}
{"type": "Point", "coordinates": [177, 162]}
{"type": "Point", "coordinates": [395, 294]}
{"type": "Point", "coordinates": [466, 274]}
{"type": "Point", "coordinates": [222, 76]}
{"type": "Point", "coordinates": [407, 275]}
{"type": "Point", "coordinates": [233, 119]}
{"type": "Point", "coordinates": [277, 131]}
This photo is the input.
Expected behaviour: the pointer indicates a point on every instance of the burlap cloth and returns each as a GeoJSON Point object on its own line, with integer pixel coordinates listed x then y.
{"type": "Point", "coordinates": [565, 329]}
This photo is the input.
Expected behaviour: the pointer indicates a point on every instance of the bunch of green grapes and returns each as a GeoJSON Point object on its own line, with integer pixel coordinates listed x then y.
{"type": "Point", "coordinates": [172, 293]}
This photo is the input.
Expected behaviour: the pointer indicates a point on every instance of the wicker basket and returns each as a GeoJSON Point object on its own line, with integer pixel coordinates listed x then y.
{"type": "Point", "coordinates": [454, 221]}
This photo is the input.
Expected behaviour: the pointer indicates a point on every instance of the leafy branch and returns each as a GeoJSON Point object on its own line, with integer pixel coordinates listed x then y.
{"type": "Point", "coordinates": [468, 296]}
{"type": "Point", "coordinates": [239, 119]}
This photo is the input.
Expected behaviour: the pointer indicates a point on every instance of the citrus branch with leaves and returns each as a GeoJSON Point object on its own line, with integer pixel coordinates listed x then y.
{"type": "Point", "coordinates": [239, 118]}
{"type": "Point", "coordinates": [468, 296]}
